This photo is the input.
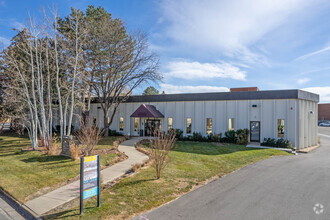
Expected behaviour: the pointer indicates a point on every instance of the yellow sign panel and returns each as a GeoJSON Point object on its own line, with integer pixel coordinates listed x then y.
{"type": "Point", "coordinates": [91, 158]}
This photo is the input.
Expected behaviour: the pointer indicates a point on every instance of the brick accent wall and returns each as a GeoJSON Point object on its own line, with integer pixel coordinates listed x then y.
{"type": "Point", "coordinates": [324, 111]}
{"type": "Point", "coordinates": [244, 89]}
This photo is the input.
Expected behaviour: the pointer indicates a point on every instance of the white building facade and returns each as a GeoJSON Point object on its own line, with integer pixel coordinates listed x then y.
{"type": "Point", "coordinates": [288, 114]}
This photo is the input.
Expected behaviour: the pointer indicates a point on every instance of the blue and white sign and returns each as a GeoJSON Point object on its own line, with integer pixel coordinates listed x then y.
{"type": "Point", "coordinates": [90, 192]}
{"type": "Point", "coordinates": [89, 179]}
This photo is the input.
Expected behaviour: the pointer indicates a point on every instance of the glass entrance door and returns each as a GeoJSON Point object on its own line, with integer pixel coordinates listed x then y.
{"type": "Point", "coordinates": [150, 126]}
{"type": "Point", "coordinates": [255, 131]}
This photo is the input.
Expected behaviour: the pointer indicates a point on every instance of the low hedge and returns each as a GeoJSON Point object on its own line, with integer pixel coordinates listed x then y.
{"type": "Point", "coordinates": [114, 133]}
{"type": "Point", "coordinates": [240, 136]}
{"type": "Point", "coordinates": [272, 142]}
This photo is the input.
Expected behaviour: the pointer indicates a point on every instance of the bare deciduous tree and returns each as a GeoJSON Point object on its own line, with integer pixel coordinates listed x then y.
{"type": "Point", "coordinates": [35, 59]}
{"type": "Point", "coordinates": [23, 68]}
{"type": "Point", "coordinates": [88, 136]}
{"type": "Point", "coordinates": [118, 62]}
{"type": "Point", "coordinates": [50, 68]}
{"type": "Point", "coordinates": [160, 146]}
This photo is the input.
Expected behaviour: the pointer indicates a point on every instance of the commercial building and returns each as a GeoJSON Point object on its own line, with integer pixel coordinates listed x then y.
{"type": "Point", "coordinates": [288, 114]}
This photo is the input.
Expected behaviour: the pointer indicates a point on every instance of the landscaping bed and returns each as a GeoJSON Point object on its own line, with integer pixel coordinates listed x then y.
{"type": "Point", "coordinates": [192, 164]}
{"type": "Point", "coordinates": [27, 174]}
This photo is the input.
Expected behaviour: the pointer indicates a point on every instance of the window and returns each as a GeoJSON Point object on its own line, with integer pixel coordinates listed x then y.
{"type": "Point", "coordinates": [169, 124]}
{"type": "Point", "coordinates": [136, 124]}
{"type": "Point", "coordinates": [280, 128]}
{"type": "Point", "coordinates": [108, 120]}
{"type": "Point", "coordinates": [121, 123]}
{"type": "Point", "coordinates": [208, 125]}
{"type": "Point", "coordinates": [231, 124]}
{"type": "Point", "coordinates": [188, 130]}
{"type": "Point", "coordinates": [94, 121]}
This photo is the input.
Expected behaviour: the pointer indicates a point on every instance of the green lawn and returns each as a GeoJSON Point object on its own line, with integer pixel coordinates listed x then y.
{"type": "Point", "coordinates": [191, 163]}
{"type": "Point", "coordinates": [106, 142]}
{"type": "Point", "coordinates": [24, 173]}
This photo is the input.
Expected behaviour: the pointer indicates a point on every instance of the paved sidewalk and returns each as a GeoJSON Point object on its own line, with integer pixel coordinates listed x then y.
{"type": "Point", "coordinates": [51, 200]}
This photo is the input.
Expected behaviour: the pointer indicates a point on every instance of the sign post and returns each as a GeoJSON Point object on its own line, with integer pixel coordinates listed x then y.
{"type": "Point", "coordinates": [90, 181]}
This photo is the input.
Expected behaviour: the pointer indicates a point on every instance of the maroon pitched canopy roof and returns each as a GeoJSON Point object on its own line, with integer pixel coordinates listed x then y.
{"type": "Point", "coordinates": [147, 111]}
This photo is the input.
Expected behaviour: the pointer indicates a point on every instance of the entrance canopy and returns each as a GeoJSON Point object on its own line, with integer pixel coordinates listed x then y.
{"type": "Point", "coordinates": [147, 111]}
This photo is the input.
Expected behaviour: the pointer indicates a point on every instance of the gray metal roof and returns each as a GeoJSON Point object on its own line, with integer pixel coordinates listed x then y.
{"type": "Point", "coordinates": [251, 95]}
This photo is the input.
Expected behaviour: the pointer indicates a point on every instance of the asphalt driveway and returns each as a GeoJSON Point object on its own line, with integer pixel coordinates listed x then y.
{"type": "Point", "coordinates": [288, 187]}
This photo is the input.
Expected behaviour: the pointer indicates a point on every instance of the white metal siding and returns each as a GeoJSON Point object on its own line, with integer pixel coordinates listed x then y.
{"type": "Point", "coordinates": [300, 124]}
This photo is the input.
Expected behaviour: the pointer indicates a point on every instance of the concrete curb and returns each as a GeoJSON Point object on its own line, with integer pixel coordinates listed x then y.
{"type": "Point", "coordinates": [275, 148]}
{"type": "Point", "coordinates": [24, 211]}
{"type": "Point", "coordinates": [309, 149]}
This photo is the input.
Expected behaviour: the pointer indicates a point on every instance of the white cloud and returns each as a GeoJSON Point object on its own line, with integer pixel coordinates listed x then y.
{"type": "Point", "coordinates": [17, 25]}
{"type": "Point", "coordinates": [229, 26]}
{"type": "Point", "coordinates": [196, 70]}
{"type": "Point", "coordinates": [171, 89]}
{"type": "Point", "coordinates": [4, 42]}
{"type": "Point", "coordinates": [303, 80]}
{"type": "Point", "coordinates": [12, 23]}
{"type": "Point", "coordinates": [313, 53]}
{"type": "Point", "coordinates": [324, 92]}
{"type": "Point", "coordinates": [313, 71]}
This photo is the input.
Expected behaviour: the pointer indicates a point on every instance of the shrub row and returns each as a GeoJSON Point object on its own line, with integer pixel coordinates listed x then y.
{"type": "Point", "coordinates": [114, 133]}
{"type": "Point", "coordinates": [240, 136]}
{"type": "Point", "coordinates": [272, 142]}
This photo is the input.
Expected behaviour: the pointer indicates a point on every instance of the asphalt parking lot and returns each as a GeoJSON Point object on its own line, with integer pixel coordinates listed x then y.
{"type": "Point", "coordinates": [288, 187]}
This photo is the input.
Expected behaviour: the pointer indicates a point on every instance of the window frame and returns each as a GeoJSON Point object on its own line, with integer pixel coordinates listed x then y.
{"type": "Point", "coordinates": [209, 131]}
{"type": "Point", "coordinates": [121, 123]}
{"type": "Point", "coordinates": [279, 133]}
{"type": "Point", "coordinates": [231, 121]}
{"type": "Point", "coordinates": [190, 126]}
{"type": "Point", "coordinates": [168, 124]}
{"type": "Point", "coordinates": [136, 128]}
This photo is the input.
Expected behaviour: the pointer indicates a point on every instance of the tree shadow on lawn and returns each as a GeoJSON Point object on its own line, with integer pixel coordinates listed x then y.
{"type": "Point", "coordinates": [131, 183]}
{"type": "Point", "coordinates": [7, 151]}
{"type": "Point", "coordinates": [207, 148]}
{"type": "Point", "coordinates": [64, 214]}
{"type": "Point", "coordinates": [14, 134]}
{"type": "Point", "coordinates": [12, 145]}
{"type": "Point", "coordinates": [107, 140]}
{"type": "Point", "coordinates": [44, 158]}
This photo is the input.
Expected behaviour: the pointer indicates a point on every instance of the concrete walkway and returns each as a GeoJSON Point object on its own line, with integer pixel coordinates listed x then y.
{"type": "Point", "coordinates": [62, 195]}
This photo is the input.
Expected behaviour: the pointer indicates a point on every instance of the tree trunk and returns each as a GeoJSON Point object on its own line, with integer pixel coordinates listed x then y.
{"type": "Point", "coordinates": [50, 110]}
{"type": "Point", "coordinates": [40, 90]}
{"type": "Point", "coordinates": [105, 122]}
{"type": "Point", "coordinates": [73, 80]}
{"type": "Point", "coordinates": [57, 80]}
{"type": "Point", "coordinates": [113, 114]}
{"type": "Point", "coordinates": [65, 116]}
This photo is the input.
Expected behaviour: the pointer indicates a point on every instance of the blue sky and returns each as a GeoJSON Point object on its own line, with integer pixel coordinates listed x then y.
{"type": "Point", "coordinates": [208, 46]}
